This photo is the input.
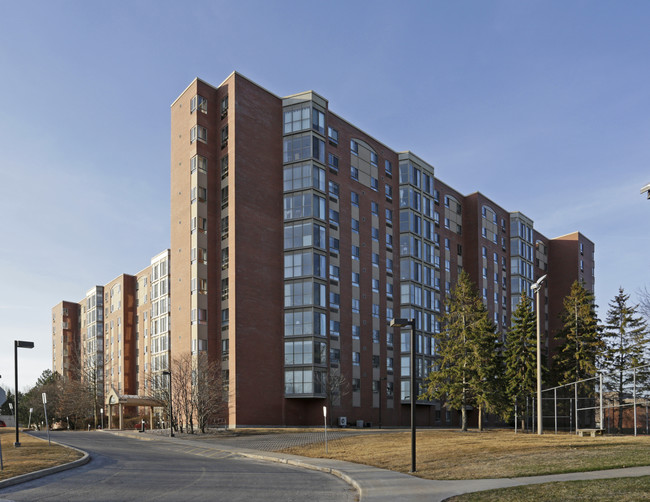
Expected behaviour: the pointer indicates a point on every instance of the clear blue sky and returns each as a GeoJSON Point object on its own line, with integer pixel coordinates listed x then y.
{"type": "Point", "coordinates": [543, 106]}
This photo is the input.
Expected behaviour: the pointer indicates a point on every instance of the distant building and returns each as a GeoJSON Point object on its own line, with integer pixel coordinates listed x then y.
{"type": "Point", "coordinates": [295, 238]}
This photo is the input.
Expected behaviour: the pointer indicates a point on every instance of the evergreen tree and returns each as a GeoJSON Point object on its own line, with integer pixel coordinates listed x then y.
{"type": "Point", "coordinates": [626, 337]}
{"type": "Point", "coordinates": [487, 387]}
{"type": "Point", "coordinates": [581, 339]}
{"type": "Point", "coordinates": [521, 352]}
{"type": "Point", "coordinates": [467, 354]}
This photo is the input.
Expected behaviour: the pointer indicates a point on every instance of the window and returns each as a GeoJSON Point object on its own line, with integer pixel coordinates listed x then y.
{"type": "Point", "coordinates": [334, 189]}
{"type": "Point", "coordinates": [335, 327]}
{"type": "Point", "coordinates": [335, 300]}
{"type": "Point", "coordinates": [334, 244]}
{"type": "Point", "coordinates": [356, 360]}
{"type": "Point", "coordinates": [355, 225]}
{"type": "Point", "coordinates": [304, 263]}
{"type": "Point", "coordinates": [354, 198]}
{"type": "Point", "coordinates": [356, 331]}
{"type": "Point", "coordinates": [333, 161]}
{"type": "Point", "coordinates": [302, 176]}
{"type": "Point", "coordinates": [303, 205]}
{"type": "Point", "coordinates": [224, 136]}
{"type": "Point", "coordinates": [296, 120]}
{"type": "Point", "coordinates": [355, 252]}
{"type": "Point", "coordinates": [224, 167]}
{"type": "Point", "coordinates": [375, 285]}
{"type": "Point", "coordinates": [374, 233]}
{"type": "Point", "coordinates": [388, 167]}
{"type": "Point", "coordinates": [373, 159]}
{"type": "Point", "coordinates": [296, 148]}
{"type": "Point", "coordinates": [355, 278]}
{"type": "Point", "coordinates": [200, 163]}
{"type": "Point", "coordinates": [355, 305]}
{"type": "Point", "coordinates": [354, 173]}
{"type": "Point", "coordinates": [199, 103]}
{"type": "Point", "coordinates": [375, 259]}
{"type": "Point", "coordinates": [333, 135]}
{"type": "Point", "coordinates": [304, 293]}
{"type": "Point", "coordinates": [374, 183]}
{"type": "Point", "coordinates": [224, 107]}
{"type": "Point", "coordinates": [334, 216]}
{"type": "Point", "coordinates": [374, 208]}
{"type": "Point", "coordinates": [356, 383]}
{"type": "Point", "coordinates": [354, 147]}
{"type": "Point", "coordinates": [319, 149]}
{"type": "Point", "coordinates": [389, 215]}
{"type": "Point", "coordinates": [198, 133]}
{"type": "Point", "coordinates": [389, 192]}
{"type": "Point", "coordinates": [318, 121]}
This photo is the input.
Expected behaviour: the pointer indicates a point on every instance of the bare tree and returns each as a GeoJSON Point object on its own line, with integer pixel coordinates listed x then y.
{"type": "Point", "coordinates": [207, 392]}
{"type": "Point", "coordinates": [336, 386]}
{"type": "Point", "coordinates": [644, 302]}
{"type": "Point", "coordinates": [181, 371]}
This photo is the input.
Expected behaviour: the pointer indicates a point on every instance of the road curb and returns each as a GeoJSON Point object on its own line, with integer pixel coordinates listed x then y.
{"type": "Point", "coordinates": [50, 470]}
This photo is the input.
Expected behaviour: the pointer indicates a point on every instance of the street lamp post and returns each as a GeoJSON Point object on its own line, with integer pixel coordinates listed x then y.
{"type": "Point", "coordinates": [101, 410]}
{"type": "Point", "coordinates": [171, 422]}
{"type": "Point", "coordinates": [646, 189]}
{"type": "Point", "coordinates": [23, 345]}
{"type": "Point", "coordinates": [402, 323]}
{"type": "Point", "coordinates": [536, 290]}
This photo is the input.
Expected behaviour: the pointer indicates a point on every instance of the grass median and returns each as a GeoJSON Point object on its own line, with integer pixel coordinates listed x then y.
{"type": "Point", "coordinates": [601, 490]}
{"type": "Point", "coordinates": [33, 454]}
{"type": "Point", "coordinates": [444, 454]}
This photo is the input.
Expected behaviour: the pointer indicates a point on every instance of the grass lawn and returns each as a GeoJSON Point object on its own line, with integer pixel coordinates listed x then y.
{"type": "Point", "coordinates": [444, 454]}
{"type": "Point", "coordinates": [32, 455]}
{"type": "Point", "coordinates": [602, 490]}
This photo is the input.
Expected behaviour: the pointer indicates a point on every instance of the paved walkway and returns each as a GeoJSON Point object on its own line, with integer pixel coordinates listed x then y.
{"type": "Point", "coordinates": [373, 484]}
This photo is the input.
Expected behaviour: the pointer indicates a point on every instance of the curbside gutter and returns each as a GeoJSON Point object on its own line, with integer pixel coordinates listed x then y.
{"type": "Point", "coordinates": [50, 470]}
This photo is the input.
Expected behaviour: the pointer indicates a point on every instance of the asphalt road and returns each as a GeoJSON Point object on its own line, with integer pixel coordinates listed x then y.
{"type": "Point", "coordinates": [126, 469]}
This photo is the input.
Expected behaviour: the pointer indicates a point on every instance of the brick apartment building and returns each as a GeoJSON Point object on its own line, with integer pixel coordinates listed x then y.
{"type": "Point", "coordinates": [295, 238]}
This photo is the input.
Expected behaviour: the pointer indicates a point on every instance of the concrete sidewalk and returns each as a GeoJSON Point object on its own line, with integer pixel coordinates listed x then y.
{"type": "Point", "coordinates": [380, 485]}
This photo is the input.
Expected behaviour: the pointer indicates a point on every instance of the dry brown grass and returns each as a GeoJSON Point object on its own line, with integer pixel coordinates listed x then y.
{"type": "Point", "coordinates": [33, 454]}
{"type": "Point", "coordinates": [492, 454]}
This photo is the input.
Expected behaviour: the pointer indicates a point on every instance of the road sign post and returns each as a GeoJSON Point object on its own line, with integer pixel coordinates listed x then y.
{"type": "Point", "coordinates": [47, 425]}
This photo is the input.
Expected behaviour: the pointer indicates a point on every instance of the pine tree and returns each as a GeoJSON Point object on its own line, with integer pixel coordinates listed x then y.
{"type": "Point", "coordinates": [467, 354]}
{"type": "Point", "coordinates": [582, 342]}
{"type": "Point", "coordinates": [487, 387]}
{"type": "Point", "coordinates": [626, 337]}
{"type": "Point", "coordinates": [521, 352]}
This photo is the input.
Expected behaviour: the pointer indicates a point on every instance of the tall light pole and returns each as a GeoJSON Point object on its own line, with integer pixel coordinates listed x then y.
{"type": "Point", "coordinates": [402, 323]}
{"type": "Point", "coordinates": [22, 345]}
{"type": "Point", "coordinates": [536, 290]}
{"type": "Point", "coordinates": [646, 189]}
{"type": "Point", "coordinates": [171, 421]}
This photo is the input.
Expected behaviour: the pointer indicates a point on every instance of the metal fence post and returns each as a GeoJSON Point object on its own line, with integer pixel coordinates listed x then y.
{"type": "Point", "coordinates": [576, 404]}
{"type": "Point", "coordinates": [555, 407]}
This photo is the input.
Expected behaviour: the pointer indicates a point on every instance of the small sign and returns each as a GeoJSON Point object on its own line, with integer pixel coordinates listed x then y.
{"type": "Point", "coordinates": [44, 398]}
{"type": "Point", "coordinates": [3, 396]}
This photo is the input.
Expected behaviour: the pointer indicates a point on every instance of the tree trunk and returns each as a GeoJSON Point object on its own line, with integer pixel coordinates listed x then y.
{"type": "Point", "coordinates": [480, 417]}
